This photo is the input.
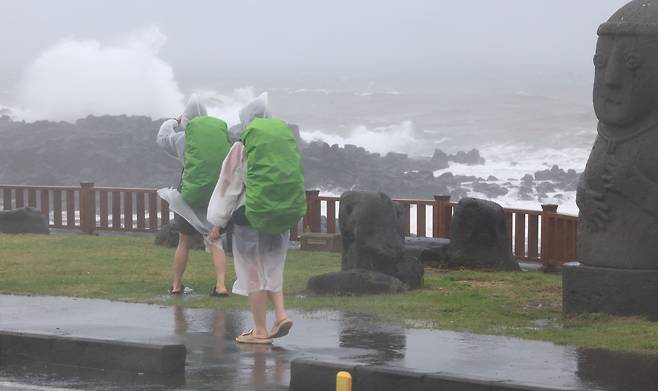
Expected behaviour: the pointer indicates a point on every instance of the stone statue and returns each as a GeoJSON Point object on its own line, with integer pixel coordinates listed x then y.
{"type": "Point", "coordinates": [373, 237]}
{"type": "Point", "coordinates": [478, 237]}
{"type": "Point", "coordinates": [618, 192]}
{"type": "Point", "coordinates": [373, 249]}
{"type": "Point", "coordinates": [372, 231]}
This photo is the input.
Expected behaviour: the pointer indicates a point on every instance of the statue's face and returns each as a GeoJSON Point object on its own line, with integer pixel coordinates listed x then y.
{"type": "Point", "coordinates": [625, 79]}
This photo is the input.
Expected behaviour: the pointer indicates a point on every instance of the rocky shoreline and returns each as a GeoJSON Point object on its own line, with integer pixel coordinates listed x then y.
{"type": "Point", "coordinates": [121, 151]}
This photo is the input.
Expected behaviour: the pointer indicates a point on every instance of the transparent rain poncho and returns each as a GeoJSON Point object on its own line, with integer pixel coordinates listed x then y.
{"type": "Point", "coordinates": [257, 108]}
{"type": "Point", "coordinates": [259, 258]}
{"type": "Point", "coordinates": [193, 109]}
{"type": "Point", "coordinates": [172, 138]}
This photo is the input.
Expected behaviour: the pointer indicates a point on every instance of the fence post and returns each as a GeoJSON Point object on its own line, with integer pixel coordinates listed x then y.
{"type": "Point", "coordinates": [441, 216]}
{"type": "Point", "coordinates": [312, 217]}
{"type": "Point", "coordinates": [548, 236]}
{"type": "Point", "coordinates": [549, 208]}
{"type": "Point", "coordinates": [87, 207]}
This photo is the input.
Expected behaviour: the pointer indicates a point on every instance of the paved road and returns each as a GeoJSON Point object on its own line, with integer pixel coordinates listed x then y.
{"type": "Point", "coordinates": [215, 361]}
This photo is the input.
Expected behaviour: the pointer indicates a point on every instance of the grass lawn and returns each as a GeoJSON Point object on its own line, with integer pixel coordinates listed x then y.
{"type": "Point", "coordinates": [526, 305]}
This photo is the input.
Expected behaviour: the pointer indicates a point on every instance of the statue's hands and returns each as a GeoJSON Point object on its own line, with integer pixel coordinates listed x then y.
{"type": "Point", "coordinates": [593, 207]}
{"type": "Point", "coordinates": [614, 176]}
{"type": "Point", "coordinates": [600, 214]}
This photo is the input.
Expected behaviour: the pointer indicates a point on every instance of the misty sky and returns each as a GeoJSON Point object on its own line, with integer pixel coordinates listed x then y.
{"type": "Point", "coordinates": [211, 41]}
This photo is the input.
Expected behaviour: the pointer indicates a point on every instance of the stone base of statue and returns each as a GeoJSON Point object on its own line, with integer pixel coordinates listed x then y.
{"type": "Point", "coordinates": [611, 291]}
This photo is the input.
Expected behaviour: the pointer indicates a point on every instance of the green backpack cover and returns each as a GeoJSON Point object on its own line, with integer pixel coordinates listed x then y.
{"type": "Point", "coordinates": [206, 146]}
{"type": "Point", "coordinates": [275, 197]}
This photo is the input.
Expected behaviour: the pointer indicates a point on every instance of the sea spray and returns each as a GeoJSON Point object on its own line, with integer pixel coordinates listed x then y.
{"type": "Point", "coordinates": [75, 78]}
{"type": "Point", "coordinates": [397, 137]}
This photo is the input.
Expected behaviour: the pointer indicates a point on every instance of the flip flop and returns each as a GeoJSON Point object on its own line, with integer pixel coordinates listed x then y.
{"type": "Point", "coordinates": [248, 337]}
{"type": "Point", "coordinates": [182, 291]}
{"type": "Point", "coordinates": [280, 328]}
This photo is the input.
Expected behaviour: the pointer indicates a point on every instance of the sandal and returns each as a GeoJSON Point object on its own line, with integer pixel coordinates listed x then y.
{"type": "Point", "coordinates": [248, 337]}
{"type": "Point", "coordinates": [182, 291]}
{"type": "Point", "coordinates": [214, 293]}
{"type": "Point", "coordinates": [280, 328]}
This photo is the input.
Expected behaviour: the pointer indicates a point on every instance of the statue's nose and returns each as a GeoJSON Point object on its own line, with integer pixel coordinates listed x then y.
{"type": "Point", "coordinates": [613, 71]}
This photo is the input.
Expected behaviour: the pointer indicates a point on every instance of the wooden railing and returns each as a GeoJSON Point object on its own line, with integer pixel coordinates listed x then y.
{"type": "Point", "coordinates": [544, 236]}
{"type": "Point", "coordinates": [90, 208]}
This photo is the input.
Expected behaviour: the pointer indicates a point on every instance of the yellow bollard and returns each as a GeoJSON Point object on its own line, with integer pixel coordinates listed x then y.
{"type": "Point", "coordinates": [343, 381]}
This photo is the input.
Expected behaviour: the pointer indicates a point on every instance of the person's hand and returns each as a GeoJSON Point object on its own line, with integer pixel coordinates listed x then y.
{"type": "Point", "coordinates": [179, 118]}
{"type": "Point", "coordinates": [214, 234]}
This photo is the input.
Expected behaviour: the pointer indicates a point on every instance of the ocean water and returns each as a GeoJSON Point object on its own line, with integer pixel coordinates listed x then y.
{"type": "Point", "coordinates": [519, 127]}
{"type": "Point", "coordinates": [518, 132]}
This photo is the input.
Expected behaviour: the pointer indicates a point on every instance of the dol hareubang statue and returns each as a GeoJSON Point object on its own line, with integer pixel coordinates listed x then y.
{"type": "Point", "coordinates": [618, 192]}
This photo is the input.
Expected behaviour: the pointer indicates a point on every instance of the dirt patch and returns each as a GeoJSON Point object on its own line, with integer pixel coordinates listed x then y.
{"type": "Point", "coordinates": [487, 284]}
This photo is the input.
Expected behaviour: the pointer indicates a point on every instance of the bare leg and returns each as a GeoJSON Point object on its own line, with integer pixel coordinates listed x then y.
{"type": "Point", "coordinates": [258, 303]}
{"type": "Point", "coordinates": [180, 261]}
{"type": "Point", "coordinates": [277, 303]}
{"type": "Point", "coordinates": [219, 259]}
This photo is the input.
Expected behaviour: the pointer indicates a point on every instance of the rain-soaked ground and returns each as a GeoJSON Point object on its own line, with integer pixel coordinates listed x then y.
{"type": "Point", "coordinates": [215, 361]}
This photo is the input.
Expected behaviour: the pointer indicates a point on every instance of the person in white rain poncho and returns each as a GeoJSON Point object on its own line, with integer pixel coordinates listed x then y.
{"type": "Point", "coordinates": [185, 139]}
{"type": "Point", "coordinates": [261, 193]}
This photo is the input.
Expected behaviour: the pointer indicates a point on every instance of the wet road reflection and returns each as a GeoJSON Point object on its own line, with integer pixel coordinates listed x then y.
{"type": "Point", "coordinates": [385, 342]}
{"type": "Point", "coordinates": [215, 361]}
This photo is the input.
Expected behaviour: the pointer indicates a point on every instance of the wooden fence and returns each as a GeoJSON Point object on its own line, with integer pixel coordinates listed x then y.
{"type": "Point", "coordinates": [91, 208]}
{"type": "Point", "coordinates": [544, 236]}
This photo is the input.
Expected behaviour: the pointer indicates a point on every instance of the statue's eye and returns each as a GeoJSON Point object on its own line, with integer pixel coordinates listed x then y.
{"type": "Point", "coordinates": [633, 62]}
{"type": "Point", "coordinates": [599, 60]}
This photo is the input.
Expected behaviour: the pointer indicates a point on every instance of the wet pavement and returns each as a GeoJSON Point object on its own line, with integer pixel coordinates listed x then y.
{"type": "Point", "coordinates": [215, 361]}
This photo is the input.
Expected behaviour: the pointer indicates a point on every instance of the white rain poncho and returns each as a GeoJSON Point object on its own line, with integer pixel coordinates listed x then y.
{"type": "Point", "coordinates": [258, 108]}
{"type": "Point", "coordinates": [259, 257]}
{"type": "Point", "coordinates": [171, 138]}
{"type": "Point", "coordinates": [259, 260]}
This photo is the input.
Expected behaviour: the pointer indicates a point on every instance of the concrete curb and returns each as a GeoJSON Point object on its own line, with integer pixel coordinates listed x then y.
{"type": "Point", "coordinates": [316, 375]}
{"type": "Point", "coordinates": [306, 374]}
{"type": "Point", "coordinates": [120, 356]}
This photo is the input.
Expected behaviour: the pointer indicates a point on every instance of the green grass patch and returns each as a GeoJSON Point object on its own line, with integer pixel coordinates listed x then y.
{"type": "Point", "coordinates": [525, 305]}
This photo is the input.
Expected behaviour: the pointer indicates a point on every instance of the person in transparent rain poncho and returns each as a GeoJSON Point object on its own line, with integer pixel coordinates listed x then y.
{"type": "Point", "coordinates": [259, 257]}
{"type": "Point", "coordinates": [188, 220]}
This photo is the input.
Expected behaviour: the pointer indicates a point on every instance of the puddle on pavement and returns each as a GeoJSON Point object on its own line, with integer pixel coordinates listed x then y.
{"type": "Point", "coordinates": [215, 361]}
